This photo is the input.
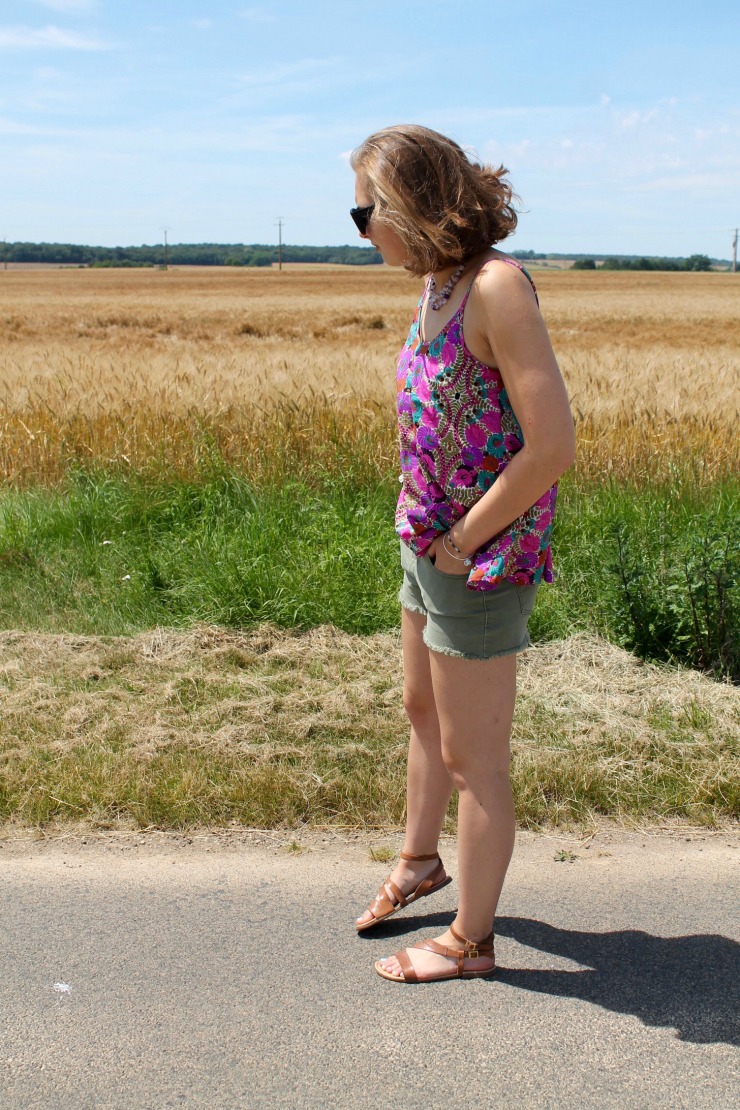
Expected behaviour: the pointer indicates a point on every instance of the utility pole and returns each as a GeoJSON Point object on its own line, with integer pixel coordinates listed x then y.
{"type": "Point", "coordinates": [734, 253]}
{"type": "Point", "coordinates": [280, 242]}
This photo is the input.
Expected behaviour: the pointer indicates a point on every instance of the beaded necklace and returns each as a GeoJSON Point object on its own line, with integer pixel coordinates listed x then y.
{"type": "Point", "coordinates": [437, 299]}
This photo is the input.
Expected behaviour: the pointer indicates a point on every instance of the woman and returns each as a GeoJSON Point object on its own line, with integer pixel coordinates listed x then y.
{"type": "Point", "coordinates": [485, 432]}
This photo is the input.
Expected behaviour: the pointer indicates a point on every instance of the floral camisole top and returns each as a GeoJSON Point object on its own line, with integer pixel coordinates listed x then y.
{"type": "Point", "coordinates": [457, 432]}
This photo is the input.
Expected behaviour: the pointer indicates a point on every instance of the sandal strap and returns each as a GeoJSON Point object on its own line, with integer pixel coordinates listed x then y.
{"type": "Point", "coordinates": [398, 895]}
{"type": "Point", "coordinates": [458, 954]}
{"type": "Point", "coordinates": [482, 948]}
{"type": "Point", "coordinates": [418, 859]}
{"type": "Point", "coordinates": [384, 903]}
{"type": "Point", "coordinates": [406, 966]}
{"type": "Point", "coordinates": [391, 898]}
{"type": "Point", "coordinates": [470, 952]}
{"type": "Point", "coordinates": [426, 884]}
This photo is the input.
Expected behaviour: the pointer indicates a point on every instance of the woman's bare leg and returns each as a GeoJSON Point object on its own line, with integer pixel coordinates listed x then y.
{"type": "Point", "coordinates": [475, 706]}
{"type": "Point", "coordinates": [428, 783]}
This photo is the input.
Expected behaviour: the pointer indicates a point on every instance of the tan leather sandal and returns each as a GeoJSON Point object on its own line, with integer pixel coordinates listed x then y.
{"type": "Point", "coordinates": [471, 950]}
{"type": "Point", "coordinates": [390, 899]}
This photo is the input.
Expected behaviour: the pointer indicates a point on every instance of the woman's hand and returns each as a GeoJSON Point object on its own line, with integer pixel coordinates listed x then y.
{"type": "Point", "coordinates": [443, 561]}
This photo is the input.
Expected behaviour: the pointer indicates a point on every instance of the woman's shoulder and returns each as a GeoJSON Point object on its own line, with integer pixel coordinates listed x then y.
{"type": "Point", "coordinates": [499, 268]}
{"type": "Point", "coordinates": [502, 277]}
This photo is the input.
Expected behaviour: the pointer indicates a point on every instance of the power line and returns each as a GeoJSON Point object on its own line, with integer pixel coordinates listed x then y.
{"type": "Point", "coordinates": [165, 230]}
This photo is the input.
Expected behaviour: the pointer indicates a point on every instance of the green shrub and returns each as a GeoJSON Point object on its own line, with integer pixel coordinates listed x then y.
{"type": "Point", "coordinates": [681, 604]}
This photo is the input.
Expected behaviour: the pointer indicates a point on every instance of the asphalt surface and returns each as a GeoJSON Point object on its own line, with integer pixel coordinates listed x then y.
{"type": "Point", "coordinates": [223, 971]}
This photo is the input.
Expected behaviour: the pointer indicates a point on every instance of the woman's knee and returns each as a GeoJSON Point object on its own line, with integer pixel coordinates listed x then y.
{"type": "Point", "coordinates": [419, 707]}
{"type": "Point", "coordinates": [466, 768]}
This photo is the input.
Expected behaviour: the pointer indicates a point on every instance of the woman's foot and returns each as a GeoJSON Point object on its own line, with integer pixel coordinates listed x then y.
{"type": "Point", "coordinates": [425, 963]}
{"type": "Point", "coordinates": [403, 883]}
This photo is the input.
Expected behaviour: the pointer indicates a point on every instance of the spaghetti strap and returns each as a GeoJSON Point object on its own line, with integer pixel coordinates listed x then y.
{"type": "Point", "coordinates": [509, 262]}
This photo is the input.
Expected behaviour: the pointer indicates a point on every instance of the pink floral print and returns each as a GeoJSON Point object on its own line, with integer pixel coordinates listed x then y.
{"type": "Point", "coordinates": [457, 432]}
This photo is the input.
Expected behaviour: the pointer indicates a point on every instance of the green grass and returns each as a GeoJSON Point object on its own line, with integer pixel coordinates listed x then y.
{"type": "Point", "coordinates": [111, 556]}
{"type": "Point", "coordinates": [654, 569]}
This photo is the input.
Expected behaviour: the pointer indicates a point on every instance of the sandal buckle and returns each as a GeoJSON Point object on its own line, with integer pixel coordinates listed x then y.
{"type": "Point", "coordinates": [472, 953]}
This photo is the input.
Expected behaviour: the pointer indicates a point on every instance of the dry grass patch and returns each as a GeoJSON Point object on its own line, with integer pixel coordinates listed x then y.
{"type": "Point", "coordinates": [272, 728]}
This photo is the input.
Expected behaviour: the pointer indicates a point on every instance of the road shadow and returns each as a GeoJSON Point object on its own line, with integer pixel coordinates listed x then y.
{"type": "Point", "coordinates": [409, 923]}
{"type": "Point", "coordinates": [690, 983]}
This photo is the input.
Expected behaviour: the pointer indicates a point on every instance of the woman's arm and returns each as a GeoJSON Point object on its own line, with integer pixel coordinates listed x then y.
{"type": "Point", "coordinates": [507, 331]}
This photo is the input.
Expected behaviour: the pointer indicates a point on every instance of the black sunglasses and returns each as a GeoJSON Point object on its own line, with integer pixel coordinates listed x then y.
{"type": "Point", "coordinates": [361, 216]}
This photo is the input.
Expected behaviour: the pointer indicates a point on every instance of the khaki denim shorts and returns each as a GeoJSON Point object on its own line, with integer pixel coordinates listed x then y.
{"type": "Point", "coordinates": [472, 624]}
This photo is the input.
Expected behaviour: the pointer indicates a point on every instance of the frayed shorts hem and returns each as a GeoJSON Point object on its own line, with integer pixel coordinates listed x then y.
{"type": "Point", "coordinates": [411, 608]}
{"type": "Point", "coordinates": [455, 654]}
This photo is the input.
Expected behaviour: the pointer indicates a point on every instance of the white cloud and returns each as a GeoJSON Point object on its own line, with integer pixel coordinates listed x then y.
{"type": "Point", "coordinates": [201, 24]}
{"type": "Point", "coordinates": [46, 38]}
{"type": "Point", "coordinates": [629, 119]}
{"type": "Point", "coordinates": [634, 118]}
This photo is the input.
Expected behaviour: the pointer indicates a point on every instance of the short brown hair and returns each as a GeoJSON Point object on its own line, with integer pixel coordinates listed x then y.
{"type": "Point", "coordinates": [444, 206]}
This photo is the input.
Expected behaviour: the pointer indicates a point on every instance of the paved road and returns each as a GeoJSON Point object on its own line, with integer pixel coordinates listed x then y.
{"type": "Point", "coordinates": [223, 972]}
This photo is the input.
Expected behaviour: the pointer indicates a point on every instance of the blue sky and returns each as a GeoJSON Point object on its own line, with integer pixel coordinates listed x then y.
{"type": "Point", "coordinates": [619, 122]}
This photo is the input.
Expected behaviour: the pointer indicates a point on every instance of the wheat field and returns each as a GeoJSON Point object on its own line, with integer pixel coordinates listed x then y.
{"type": "Point", "coordinates": [279, 375]}
{"type": "Point", "coordinates": [131, 367]}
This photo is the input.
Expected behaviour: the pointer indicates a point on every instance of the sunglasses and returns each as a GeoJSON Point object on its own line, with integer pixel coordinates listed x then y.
{"type": "Point", "coordinates": [361, 216]}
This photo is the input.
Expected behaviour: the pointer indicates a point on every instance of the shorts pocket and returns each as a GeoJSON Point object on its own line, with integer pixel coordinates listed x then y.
{"type": "Point", "coordinates": [527, 595]}
{"type": "Point", "coordinates": [445, 574]}
{"type": "Point", "coordinates": [408, 559]}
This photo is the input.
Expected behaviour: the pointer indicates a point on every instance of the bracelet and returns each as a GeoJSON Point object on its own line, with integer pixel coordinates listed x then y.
{"type": "Point", "coordinates": [454, 545]}
{"type": "Point", "coordinates": [459, 558]}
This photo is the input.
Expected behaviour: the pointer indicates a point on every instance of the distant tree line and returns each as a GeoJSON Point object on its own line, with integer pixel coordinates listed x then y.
{"type": "Point", "coordinates": [183, 254]}
{"type": "Point", "coordinates": [694, 262]}
{"type": "Point", "coordinates": [262, 254]}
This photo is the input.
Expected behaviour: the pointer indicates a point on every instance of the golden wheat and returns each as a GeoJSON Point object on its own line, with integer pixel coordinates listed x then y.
{"type": "Point", "coordinates": [143, 368]}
